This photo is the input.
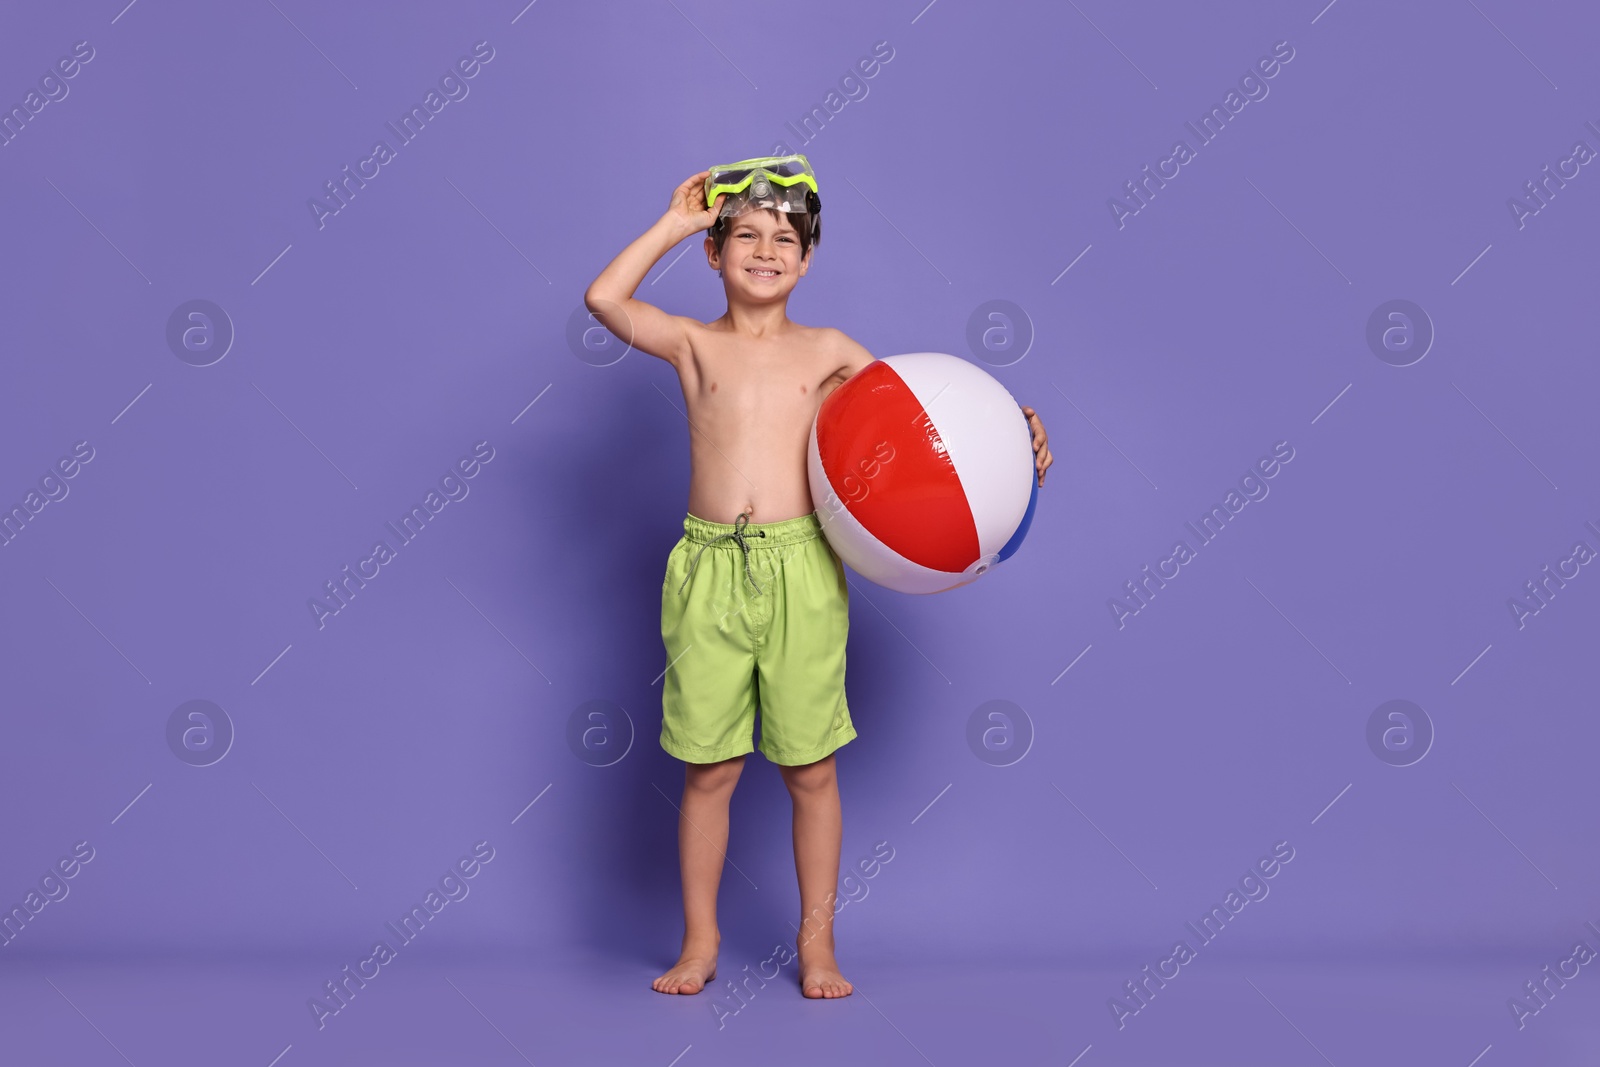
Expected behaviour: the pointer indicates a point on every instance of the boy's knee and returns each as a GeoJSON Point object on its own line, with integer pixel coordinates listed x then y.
{"type": "Point", "coordinates": [811, 777]}
{"type": "Point", "coordinates": [713, 777]}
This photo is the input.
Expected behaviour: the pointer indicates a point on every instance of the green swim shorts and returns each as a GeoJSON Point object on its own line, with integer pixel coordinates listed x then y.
{"type": "Point", "coordinates": [754, 615]}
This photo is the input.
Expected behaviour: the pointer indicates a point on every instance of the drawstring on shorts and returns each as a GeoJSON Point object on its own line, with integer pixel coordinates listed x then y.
{"type": "Point", "coordinates": [738, 536]}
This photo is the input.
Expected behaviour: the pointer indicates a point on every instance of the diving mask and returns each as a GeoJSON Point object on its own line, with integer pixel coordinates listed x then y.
{"type": "Point", "coordinates": [784, 183]}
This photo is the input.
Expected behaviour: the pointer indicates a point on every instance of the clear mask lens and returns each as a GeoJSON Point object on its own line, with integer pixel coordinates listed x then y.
{"type": "Point", "coordinates": [765, 194]}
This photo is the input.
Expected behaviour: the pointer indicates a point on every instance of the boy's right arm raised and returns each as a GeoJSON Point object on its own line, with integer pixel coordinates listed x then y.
{"type": "Point", "coordinates": [610, 296]}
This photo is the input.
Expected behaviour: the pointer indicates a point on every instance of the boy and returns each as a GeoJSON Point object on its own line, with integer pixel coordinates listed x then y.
{"type": "Point", "coordinates": [752, 381]}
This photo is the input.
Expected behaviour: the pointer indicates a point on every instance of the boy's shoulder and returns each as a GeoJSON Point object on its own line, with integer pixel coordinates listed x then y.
{"type": "Point", "coordinates": [824, 338]}
{"type": "Point", "coordinates": [843, 354]}
{"type": "Point", "coordinates": [849, 354]}
{"type": "Point", "coordinates": [833, 342]}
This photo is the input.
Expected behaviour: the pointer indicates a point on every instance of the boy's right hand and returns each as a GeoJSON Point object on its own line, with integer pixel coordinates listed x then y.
{"type": "Point", "coordinates": [688, 208]}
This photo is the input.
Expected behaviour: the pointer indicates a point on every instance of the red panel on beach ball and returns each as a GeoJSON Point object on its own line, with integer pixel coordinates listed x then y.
{"type": "Point", "coordinates": [888, 465]}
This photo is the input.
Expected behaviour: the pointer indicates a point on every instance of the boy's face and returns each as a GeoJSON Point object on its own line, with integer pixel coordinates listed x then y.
{"type": "Point", "coordinates": [761, 256]}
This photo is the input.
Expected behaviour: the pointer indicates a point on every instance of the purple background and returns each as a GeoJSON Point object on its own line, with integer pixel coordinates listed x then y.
{"type": "Point", "coordinates": [1229, 314]}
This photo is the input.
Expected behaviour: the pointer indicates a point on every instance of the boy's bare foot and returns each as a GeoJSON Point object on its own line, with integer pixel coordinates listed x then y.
{"type": "Point", "coordinates": [819, 974]}
{"type": "Point", "coordinates": [696, 966]}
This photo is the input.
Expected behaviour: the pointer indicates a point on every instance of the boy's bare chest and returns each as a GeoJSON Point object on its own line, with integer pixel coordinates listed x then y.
{"type": "Point", "coordinates": [773, 385]}
{"type": "Point", "coordinates": [770, 406]}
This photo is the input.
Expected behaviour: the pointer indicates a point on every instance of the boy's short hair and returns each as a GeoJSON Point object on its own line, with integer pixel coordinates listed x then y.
{"type": "Point", "coordinates": [803, 227]}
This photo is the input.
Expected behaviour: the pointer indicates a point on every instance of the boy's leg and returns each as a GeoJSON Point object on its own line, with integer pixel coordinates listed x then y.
{"type": "Point", "coordinates": [708, 690]}
{"type": "Point", "coordinates": [804, 719]}
{"type": "Point", "coordinates": [702, 850]}
{"type": "Point", "coordinates": [818, 829]}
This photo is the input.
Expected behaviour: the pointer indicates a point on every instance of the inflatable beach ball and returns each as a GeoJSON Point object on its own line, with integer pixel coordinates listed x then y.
{"type": "Point", "coordinates": [921, 471]}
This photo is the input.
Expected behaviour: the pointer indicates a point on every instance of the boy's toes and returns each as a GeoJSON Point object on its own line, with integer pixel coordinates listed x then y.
{"type": "Point", "coordinates": [825, 986]}
{"type": "Point", "coordinates": [683, 979]}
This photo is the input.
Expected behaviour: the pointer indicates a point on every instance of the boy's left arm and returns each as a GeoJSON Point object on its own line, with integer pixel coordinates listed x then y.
{"type": "Point", "coordinates": [1041, 443]}
{"type": "Point", "coordinates": [849, 357]}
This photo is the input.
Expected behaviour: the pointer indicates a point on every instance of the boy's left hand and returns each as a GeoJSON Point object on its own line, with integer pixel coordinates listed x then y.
{"type": "Point", "coordinates": [1041, 443]}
